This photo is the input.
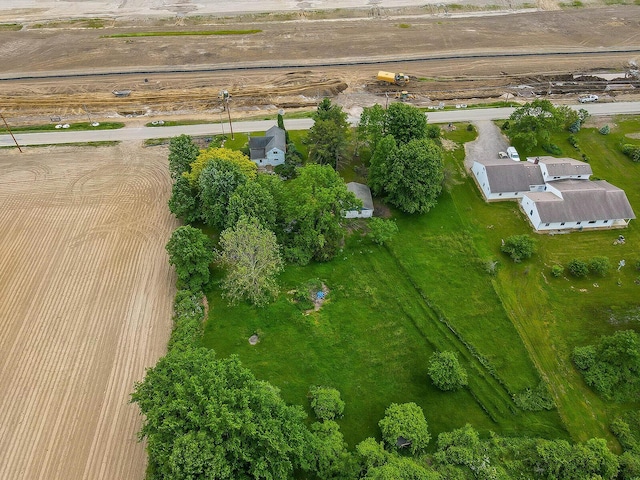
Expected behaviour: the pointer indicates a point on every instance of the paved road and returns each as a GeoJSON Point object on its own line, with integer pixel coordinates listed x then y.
{"type": "Point", "coordinates": [144, 133]}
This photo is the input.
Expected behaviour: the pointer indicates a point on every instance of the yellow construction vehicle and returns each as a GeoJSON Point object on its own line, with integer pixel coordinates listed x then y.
{"type": "Point", "coordinates": [395, 78]}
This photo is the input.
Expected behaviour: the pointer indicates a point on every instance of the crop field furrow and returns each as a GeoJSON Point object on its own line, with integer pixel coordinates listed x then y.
{"type": "Point", "coordinates": [85, 307]}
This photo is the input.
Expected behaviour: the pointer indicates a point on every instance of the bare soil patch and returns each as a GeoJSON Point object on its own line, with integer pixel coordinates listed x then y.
{"type": "Point", "coordinates": [85, 306]}
{"type": "Point", "coordinates": [294, 43]}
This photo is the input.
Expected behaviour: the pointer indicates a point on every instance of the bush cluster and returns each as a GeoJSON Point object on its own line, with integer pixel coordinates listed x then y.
{"type": "Point", "coordinates": [519, 247]}
{"type": "Point", "coordinates": [631, 151]}
{"type": "Point", "coordinates": [326, 403]}
{"type": "Point", "coordinates": [598, 265]}
{"type": "Point", "coordinates": [612, 366]}
{"type": "Point", "coordinates": [188, 319]}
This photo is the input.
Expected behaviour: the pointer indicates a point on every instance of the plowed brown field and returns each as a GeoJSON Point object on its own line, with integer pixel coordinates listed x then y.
{"type": "Point", "coordinates": [85, 306]}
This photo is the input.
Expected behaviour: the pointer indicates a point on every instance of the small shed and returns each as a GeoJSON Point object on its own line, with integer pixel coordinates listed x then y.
{"type": "Point", "coordinates": [362, 192]}
{"type": "Point", "coordinates": [403, 442]}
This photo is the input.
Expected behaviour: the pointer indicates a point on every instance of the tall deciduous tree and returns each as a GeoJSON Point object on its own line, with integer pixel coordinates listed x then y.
{"type": "Point", "coordinates": [415, 176]}
{"type": "Point", "coordinates": [251, 255]}
{"type": "Point", "coordinates": [220, 155]}
{"type": "Point", "coordinates": [312, 223]}
{"type": "Point", "coordinates": [190, 251]}
{"type": "Point", "coordinates": [405, 422]}
{"type": "Point", "coordinates": [380, 166]}
{"type": "Point", "coordinates": [406, 123]}
{"type": "Point", "coordinates": [373, 125]}
{"type": "Point", "coordinates": [182, 152]}
{"type": "Point", "coordinates": [207, 418]}
{"type": "Point", "coordinates": [251, 199]}
{"type": "Point", "coordinates": [218, 182]}
{"type": "Point", "coordinates": [533, 123]}
{"type": "Point", "coordinates": [327, 138]}
{"type": "Point", "coordinates": [184, 202]}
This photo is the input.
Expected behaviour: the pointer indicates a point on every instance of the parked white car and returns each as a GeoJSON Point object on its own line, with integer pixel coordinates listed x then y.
{"type": "Point", "coordinates": [588, 98]}
{"type": "Point", "coordinates": [513, 154]}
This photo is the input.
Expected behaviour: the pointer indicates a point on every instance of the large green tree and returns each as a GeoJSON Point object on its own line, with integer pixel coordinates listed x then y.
{"type": "Point", "coordinates": [218, 182]}
{"type": "Point", "coordinates": [446, 372]}
{"type": "Point", "coordinates": [415, 176]}
{"type": "Point", "coordinates": [612, 366]}
{"type": "Point", "coordinates": [533, 123]}
{"type": "Point", "coordinates": [380, 166]}
{"type": "Point", "coordinates": [252, 199]}
{"type": "Point", "coordinates": [311, 226]}
{"type": "Point", "coordinates": [190, 251]}
{"type": "Point", "coordinates": [251, 255]}
{"type": "Point", "coordinates": [372, 126]}
{"type": "Point", "coordinates": [328, 137]}
{"type": "Point", "coordinates": [405, 422]}
{"type": "Point", "coordinates": [206, 418]}
{"type": "Point", "coordinates": [184, 202]}
{"type": "Point", "coordinates": [182, 152]}
{"type": "Point", "coordinates": [405, 123]}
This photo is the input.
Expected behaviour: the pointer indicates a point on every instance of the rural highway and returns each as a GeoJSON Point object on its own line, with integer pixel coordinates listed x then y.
{"type": "Point", "coordinates": [144, 133]}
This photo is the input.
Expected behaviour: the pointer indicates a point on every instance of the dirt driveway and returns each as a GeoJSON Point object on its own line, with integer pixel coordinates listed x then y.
{"type": "Point", "coordinates": [85, 306]}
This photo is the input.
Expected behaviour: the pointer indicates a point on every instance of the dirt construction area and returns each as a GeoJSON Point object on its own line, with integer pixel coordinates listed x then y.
{"type": "Point", "coordinates": [70, 68]}
{"type": "Point", "coordinates": [85, 306]}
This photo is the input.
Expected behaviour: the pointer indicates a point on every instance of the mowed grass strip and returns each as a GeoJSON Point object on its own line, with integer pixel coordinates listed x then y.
{"type": "Point", "coordinates": [389, 309]}
{"type": "Point", "coordinates": [371, 340]}
{"type": "Point", "coordinates": [553, 315]}
{"type": "Point", "coordinates": [182, 33]}
{"type": "Point", "coordinates": [52, 127]}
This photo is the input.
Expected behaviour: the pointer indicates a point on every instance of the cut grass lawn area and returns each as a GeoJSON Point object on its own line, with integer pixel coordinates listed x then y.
{"type": "Point", "coordinates": [389, 309]}
{"type": "Point", "coordinates": [554, 315]}
{"type": "Point", "coordinates": [52, 127]}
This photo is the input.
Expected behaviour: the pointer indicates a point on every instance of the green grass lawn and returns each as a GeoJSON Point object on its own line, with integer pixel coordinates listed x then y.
{"type": "Point", "coordinates": [390, 308]}
{"type": "Point", "coordinates": [72, 127]}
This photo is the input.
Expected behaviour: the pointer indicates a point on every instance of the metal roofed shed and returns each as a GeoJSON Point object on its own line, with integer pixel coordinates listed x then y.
{"type": "Point", "coordinates": [363, 193]}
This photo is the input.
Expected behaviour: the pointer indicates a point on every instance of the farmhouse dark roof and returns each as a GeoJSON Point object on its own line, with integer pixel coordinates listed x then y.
{"type": "Point", "coordinates": [362, 192]}
{"type": "Point", "coordinates": [273, 138]}
{"type": "Point", "coordinates": [582, 200]}
{"type": "Point", "coordinates": [558, 167]}
{"type": "Point", "coordinates": [506, 175]}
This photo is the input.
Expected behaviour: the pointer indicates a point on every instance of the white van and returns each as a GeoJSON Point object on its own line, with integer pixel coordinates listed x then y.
{"type": "Point", "coordinates": [513, 154]}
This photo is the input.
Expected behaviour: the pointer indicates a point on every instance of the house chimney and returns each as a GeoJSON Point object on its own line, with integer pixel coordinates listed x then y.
{"type": "Point", "coordinates": [536, 161]}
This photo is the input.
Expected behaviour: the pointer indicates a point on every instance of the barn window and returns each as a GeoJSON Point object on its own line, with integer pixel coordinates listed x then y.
{"type": "Point", "coordinates": [578, 223]}
{"type": "Point", "coordinates": [530, 212]}
{"type": "Point", "coordinates": [606, 221]}
{"type": "Point", "coordinates": [592, 221]}
{"type": "Point", "coordinates": [562, 223]}
{"type": "Point", "coordinates": [546, 224]}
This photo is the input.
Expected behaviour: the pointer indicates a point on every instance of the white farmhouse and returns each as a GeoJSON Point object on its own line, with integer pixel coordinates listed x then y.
{"type": "Point", "coordinates": [270, 149]}
{"type": "Point", "coordinates": [577, 204]}
{"type": "Point", "coordinates": [554, 193]}
{"type": "Point", "coordinates": [362, 192]}
{"type": "Point", "coordinates": [502, 178]}
{"type": "Point", "coordinates": [561, 168]}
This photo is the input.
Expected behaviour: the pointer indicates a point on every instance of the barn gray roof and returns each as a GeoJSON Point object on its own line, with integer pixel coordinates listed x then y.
{"type": "Point", "coordinates": [274, 138]}
{"type": "Point", "coordinates": [362, 192]}
{"type": "Point", "coordinates": [582, 200]}
{"type": "Point", "coordinates": [505, 175]}
{"type": "Point", "coordinates": [558, 167]}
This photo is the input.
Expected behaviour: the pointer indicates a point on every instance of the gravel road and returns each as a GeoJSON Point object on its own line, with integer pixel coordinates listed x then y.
{"type": "Point", "coordinates": [489, 142]}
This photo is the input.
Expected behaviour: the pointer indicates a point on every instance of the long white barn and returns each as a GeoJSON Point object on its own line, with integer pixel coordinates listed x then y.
{"type": "Point", "coordinates": [554, 193]}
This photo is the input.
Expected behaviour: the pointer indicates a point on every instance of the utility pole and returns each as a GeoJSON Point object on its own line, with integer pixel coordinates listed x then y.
{"type": "Point", "coordinates": [224, 94]}
{"type": "Point", "coordinates": [10, 132]}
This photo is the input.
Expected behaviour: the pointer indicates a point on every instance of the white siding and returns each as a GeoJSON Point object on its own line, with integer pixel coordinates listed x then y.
{"type": "Point", "coordinates": [364, 213]}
